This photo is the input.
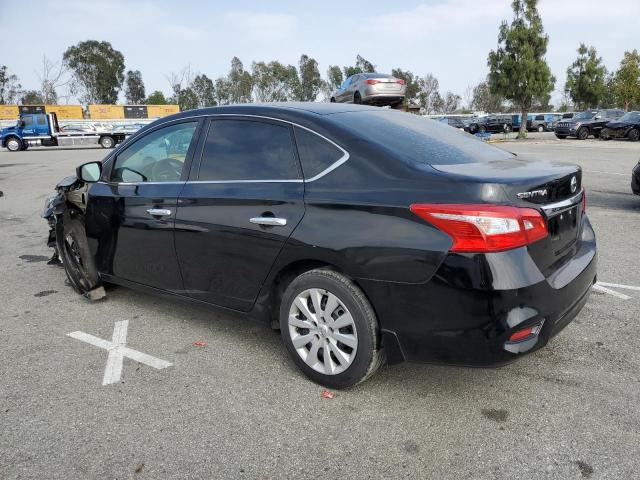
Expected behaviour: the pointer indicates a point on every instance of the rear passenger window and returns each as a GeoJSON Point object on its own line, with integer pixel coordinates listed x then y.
{"type": "Point", "coordinates": [316, 153]}
{"type": "Point", "coordinates": [248, 150]}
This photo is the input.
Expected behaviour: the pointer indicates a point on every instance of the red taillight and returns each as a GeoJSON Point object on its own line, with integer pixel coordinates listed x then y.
{"type": "Point", "coordinates": [520, 334]}
{"type": "Point", "coordinates": [371, 82]}
{"type": "Point", "coordinates": [484, 228]}
{"type": "Point", "coordinates": [584, 201]}
{"type": "Point", "coordinates": [401, 82]}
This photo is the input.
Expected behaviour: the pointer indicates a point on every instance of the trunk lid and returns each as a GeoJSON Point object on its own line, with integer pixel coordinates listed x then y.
{"type": "Point", "coordinates": [554, 189]}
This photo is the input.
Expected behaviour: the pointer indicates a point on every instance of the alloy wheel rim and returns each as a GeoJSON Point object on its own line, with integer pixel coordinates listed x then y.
{"type": "Point", "coordinates": [323, 331]}
{"type": "Point", "coordinates": [13, 144]}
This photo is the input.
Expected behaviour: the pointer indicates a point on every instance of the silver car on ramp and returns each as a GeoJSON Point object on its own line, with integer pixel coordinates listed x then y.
{"type": "Point", "coordinates": [372, 89]}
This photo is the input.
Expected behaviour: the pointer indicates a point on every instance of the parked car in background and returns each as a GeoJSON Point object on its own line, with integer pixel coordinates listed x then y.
{"type": "Point", "coordinates": [491, 123]}
{"type": "Point", "coordinates": [455, 122]}
{"type": "Point", "coordinates": [538, 123]}
{"type": "Point", "coordinates": [371, 88]}
{"type": "Point", "coordinates": [627, 126]}
{"type": "Point", "coordinates": [128, 128]}
{"type": "Point", "coordinates": [584, 124]}
{"type": "Point", "coordinates": [555, 118]}
{"type": "Point", "coordinates": [362, 233]}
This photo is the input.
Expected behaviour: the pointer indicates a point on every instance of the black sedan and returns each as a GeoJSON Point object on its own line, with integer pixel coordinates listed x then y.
{"type": "Point", "coordinates": [628, 126]}
{"type": "Point", "coordinates": [364, 235]}
{"type": "Point", "coordinates": [635, 179]}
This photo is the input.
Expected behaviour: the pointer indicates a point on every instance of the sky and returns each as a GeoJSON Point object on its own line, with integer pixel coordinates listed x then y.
{"type": "Point", "coordinates": [448, 38]}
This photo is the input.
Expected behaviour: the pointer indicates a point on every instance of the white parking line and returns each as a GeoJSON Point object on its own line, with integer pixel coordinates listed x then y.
{"type": "Point", "coordinates": [600, 288]}
{"type": "Point", "coordinates": [117, 351]}
{"type": "Point", "coordinates": [608, 173]}
{"type": "Point", "coordinates": [617, 285]}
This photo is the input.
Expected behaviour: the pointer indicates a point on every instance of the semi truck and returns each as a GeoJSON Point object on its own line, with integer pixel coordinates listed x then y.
{"type": "Point", "coordinates": [42, 129]}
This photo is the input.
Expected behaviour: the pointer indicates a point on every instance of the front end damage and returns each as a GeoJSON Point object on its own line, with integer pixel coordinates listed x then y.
{"type": "Point", "coordinates": [63, 211]}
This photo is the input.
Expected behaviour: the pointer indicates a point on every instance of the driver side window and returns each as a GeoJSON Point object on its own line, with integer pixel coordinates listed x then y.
{"type": "Point", "coordinates": [157, 157]}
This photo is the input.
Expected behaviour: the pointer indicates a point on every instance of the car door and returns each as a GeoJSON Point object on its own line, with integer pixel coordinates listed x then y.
{"type": "Point", "coordinates": [131, 211]}
{"type": "Point", "coordinates": [28, 126]}
{"type": "Point", "coordinates": [240, 205]}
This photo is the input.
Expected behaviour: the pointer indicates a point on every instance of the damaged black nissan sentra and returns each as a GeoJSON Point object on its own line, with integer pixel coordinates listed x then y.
{"type": "Point", "coordinates": [364, 235]}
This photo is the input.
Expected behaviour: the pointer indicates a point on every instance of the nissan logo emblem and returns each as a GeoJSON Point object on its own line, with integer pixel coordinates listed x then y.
{"type": "Point", "coordinates": [574, 184]}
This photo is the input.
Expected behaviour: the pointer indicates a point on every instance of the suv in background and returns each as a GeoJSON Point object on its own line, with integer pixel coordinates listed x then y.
{"type": "Point", "coordinates": [590, 122]}
{"type": "Point", "coordinates": [538, 123]}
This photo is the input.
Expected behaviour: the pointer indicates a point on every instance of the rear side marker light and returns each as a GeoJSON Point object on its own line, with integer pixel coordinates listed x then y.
{"type": "Point", "coordinates": [527, 332]}
{"type": "Point", "coordinates": [401, 82]}
{"type": "Point", "coordinates": [584, 200]}
{"type": "Point", "coordinates": [484, 228]}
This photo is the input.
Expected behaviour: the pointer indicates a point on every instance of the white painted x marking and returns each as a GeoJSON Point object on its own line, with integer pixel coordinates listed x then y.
{"type": "Point", "coordinates": [117, 351]}
{"type": "Point", "coordinates": [607, 288]}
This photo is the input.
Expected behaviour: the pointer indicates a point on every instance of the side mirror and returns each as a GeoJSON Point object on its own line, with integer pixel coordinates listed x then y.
{"type": "Point", "coordinates": [21, 124]}
{"type": "Point", "coordinates": [89, 172]}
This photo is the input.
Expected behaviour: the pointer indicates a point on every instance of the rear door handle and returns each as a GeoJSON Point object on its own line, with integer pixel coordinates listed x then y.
{"type": "Point", "coordinates": [269, 221]}
{"type": "Point", "coordinates": [159, 212]}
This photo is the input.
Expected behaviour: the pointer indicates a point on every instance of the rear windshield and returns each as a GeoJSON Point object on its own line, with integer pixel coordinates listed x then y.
{"type": "Point", "coordinates": [375, 75]}
{"type": "Point", "coordinates": [418, 139]}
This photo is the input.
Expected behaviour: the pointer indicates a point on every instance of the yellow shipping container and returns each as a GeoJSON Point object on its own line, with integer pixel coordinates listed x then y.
{"type": "Point", "coordinates": [9, 112]}
{"type": "Point", "coordinates": [106, 112]}
{"type": "Point", "coordinates": [157, 111]}
{"type": "Point", "coordinates": [65, 112]}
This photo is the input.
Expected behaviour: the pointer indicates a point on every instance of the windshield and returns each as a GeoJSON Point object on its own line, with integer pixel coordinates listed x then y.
{"type": "Point", "coordinates": [418, 139]}
{"type": "Point", "coordinates": [631, 117]}
{"type": "Point", "coordinates": [588, 115]}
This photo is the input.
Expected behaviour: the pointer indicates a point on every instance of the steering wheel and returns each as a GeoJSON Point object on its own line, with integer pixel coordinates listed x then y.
{"type": "Point", "coordinates": [166, 170]}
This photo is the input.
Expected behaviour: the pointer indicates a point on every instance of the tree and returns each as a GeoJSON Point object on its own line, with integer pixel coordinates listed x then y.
{"type": "Point", "coordinates": [517, 68]}
{"type": "Point", "coordinates": [450, 103]}
{"type": "Point", "coordinates": [32, 97]}
{"type": "Point", "coordinates": [156, 98]}
{"type": "Point", "coordinates": [585, 78]}
{"type": "Point", "coordinates": [362, 66]}
{"type": "Point", "coordinates": [626, 82]}
{"type": "Point", "coordinates": [10, 88]}
{"type": "Point", "coordinates": [609, 99]}
{"type": "Point", "coordinates": [203, 87]}
{"type": "Point", "coordinates": [98, 71]}
{"type": "Point", "coordinates": [240, 83]}
{"type": "Point", "coordinates": [428, 95]}
{"type": "Point", "coordinates": [274, 82]}
{"type": "Point", "coordinates": [483, 99]}
{"type": "Point", "coordinates": [334, 80]}
{"type": "Point", "coordinates": [134, 90]}
{"type": "Point", "coordinates": [52, 77]}
{"type": "Point", "coordinates": [411, 82]}
{"type": "Point", "coordinates": [222, 91]}
{"type": "Point", "coordinates": [187, 99]}
{"type": "Point", "coordinates": [310, 81]}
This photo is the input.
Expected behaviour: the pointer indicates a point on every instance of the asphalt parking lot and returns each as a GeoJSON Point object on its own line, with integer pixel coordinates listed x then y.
{"type": "Point", "coordinates": [236, 407]}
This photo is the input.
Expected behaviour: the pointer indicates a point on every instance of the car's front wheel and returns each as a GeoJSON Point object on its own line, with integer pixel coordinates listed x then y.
{"type": "Point", "coordinates": [540, 128]}
{"type": "Point", "coordinates": [73, 249]}
{"type": "Point", "coordinates": [583, 133]}
{"type": "Point", "coordinates": [634, 135]}
{"type": "Point", "coordinates": [330, 329]}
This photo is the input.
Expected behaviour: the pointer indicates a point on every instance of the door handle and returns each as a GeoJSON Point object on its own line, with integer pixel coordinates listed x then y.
{"type": "Point", "coordinates": [159, 212]}
{"type": "Point", "coordinates": [269, 221]}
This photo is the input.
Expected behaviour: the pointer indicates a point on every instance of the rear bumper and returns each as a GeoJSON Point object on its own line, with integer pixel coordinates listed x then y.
{"type": "Point", "coordinates": [466, 313]}
{"type": "Point", "coordinates": [614, 132]}
{"type": "Point", "coordinates": [380, 98]}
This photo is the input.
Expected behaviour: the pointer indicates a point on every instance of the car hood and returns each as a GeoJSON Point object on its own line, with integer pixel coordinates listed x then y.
{"type": "Point", "coordinates": [4, 131]}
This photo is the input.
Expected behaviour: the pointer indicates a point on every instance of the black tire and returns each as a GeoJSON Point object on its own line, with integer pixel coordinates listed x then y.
{"type": "Point", "coordinates": [107, 141]}
{"type": "Point", "coordinates": [633, 135]}
{"type": "Point", "coordinates": [73, 248]}
{"type": "Point", "coordinates": [482, 129]}
{"type": "Point", "coordinates": [561, 137]}
{"type": "Point", "coordinates": [540, 128]}
{"type": "Point", "coordinates": [368, 356]}
{"type": "Point", "coordinates": [508, 129]}
{"type": "Point", "coordinates": [333, 100]}
{"type": "Point", "coordinates": [356, 98]}
{"type": "Point", "coordinates": [13, 144]}
{"type": "Point", "coordinates": [25, 146]}
{"type": "Point", "coordinates": [583, 133]}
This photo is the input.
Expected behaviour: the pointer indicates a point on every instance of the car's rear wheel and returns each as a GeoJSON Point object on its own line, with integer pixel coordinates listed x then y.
{"type": "Point", "coordinates": [634, 135]}
{"type": "Point", "coordinates": [357, 98]}
{"type": "Point", "coordinates": [330, 329]}
{"type": "Point", "coordinates": [583, 133]}
{"type": "Point", "coordinates": [540, 128]}
{"type": "Point", "coordinates": [73, 249]}
{"type": "Point", "coordinates": [13, 144]}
